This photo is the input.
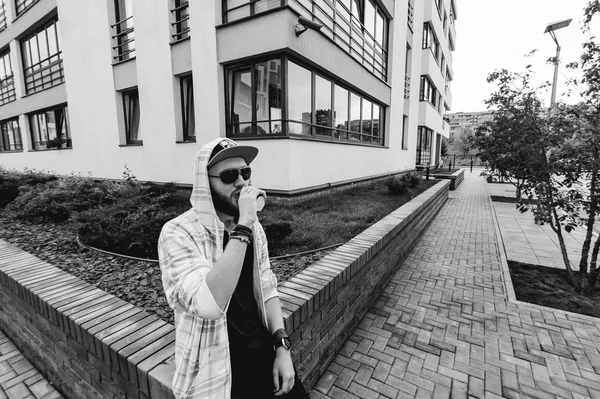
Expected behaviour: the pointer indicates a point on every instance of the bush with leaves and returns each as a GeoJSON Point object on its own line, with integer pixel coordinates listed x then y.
{"type": "Point", "coordinates": [57, 200]}
{"type": "Point", "coordinates": [413, 179]}
{"type": "Point", "coordinates": [130, 226]}
{"type": "Point", "coordinates": [10, 181]}
{"type": "Point", "coordinates": [397, 185]}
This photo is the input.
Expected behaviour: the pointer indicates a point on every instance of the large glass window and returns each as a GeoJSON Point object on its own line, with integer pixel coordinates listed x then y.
{"type": "Point", "coordinates": [299, 99]}
{"type": "Point", "coordinates": [237, 9]}
{"type": "Point", "coordinates": [50, 129]}
{"type": "Point", "coordinates": [181, 19]}
{"type": "Point", "coordinates": [359, 27]}
{"type": "Point", "coordinates": [10, 136]}
{"type": "Point", "coordinates": [430, 41]}
{"type": "Point", "coordinates": [42, 60]}
{"type": "Point", "coordinates": [131, 112]}
{"type": "Point", "coordinates": [428, 92]}
{"type": "Point", "coordinates": [124, 34]}
{"type": "Point", "coordinates": [7, 82]}
{"type": "Point", "coordinates": [316, 106]}
{"type": "Point", "coordinates": [323, 114]}
{"type": "Point", "coordinates": [187, 108]}
{"type": "Point", "coordinates": [340, 112]}
{"type": "Point", "coordinates": [24, 5]}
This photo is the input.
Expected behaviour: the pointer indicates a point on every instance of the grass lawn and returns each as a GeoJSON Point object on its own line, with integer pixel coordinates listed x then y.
{"type": "Point", "coordinates": [330, 219]}
{"type": "Point", "coordinates": [550, 287]}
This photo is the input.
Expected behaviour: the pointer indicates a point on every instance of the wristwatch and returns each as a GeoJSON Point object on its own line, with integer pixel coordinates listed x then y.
{"type": "Point", "coordinates": [280, 338]}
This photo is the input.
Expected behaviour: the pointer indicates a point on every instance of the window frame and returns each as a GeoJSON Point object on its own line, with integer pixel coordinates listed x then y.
{"type": "Point", "coordinates": [251, 4]}
{"type": "Point", "coordinates": [18, 143]}
{"type": "Point", "coordinates": [124, 37]}
{"type": "Point", "coordinates": [424, 150]}
{"type": "Point", "coordinates": [336, 134]}
{"type": "Point", "coordinates": [180, 13]}
{"type": "Point", "coordinates": [7, 79]}
{"type": "Point", "coordinates": [428, 91]}
{"type": "Point", "coordinates": [187, 107]}
{"type": "Point", "coordinates": [34, 71]}
{"type": "Point", "coordinates": [22, 6]}
{"type": "Point", "coordinates": [42, 145]}
{"type": "Point", "coordinates": [127, 112]}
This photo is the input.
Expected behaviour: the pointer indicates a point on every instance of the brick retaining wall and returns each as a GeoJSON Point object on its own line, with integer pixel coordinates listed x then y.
{"type": "Point", "coordinates": [324, 303]}
{"type": "Point", "coordinates": [455, 178]}
{"type": "Point", "coordinates": [91, 344]}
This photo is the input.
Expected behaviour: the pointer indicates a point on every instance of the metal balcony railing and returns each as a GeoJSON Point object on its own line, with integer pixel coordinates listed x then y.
{"type": "Point", "coordinates": [125, 39]}
{"type": "Point", "coordinates": [181, 25]}
{"type": "Point", "coordinates": [44, 74]}
{"type": "Point", "coordinates": [7, 90]}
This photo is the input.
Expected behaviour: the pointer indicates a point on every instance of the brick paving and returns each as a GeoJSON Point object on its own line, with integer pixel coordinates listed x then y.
{"type": "Point", "coordinates": [447, 325]}
{"type": "Point", "coordinates": [18, 377]}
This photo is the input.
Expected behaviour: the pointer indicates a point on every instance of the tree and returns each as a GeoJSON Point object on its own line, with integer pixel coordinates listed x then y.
{"type": "Point", "coordinates": [460, 143]}
{"type": "Point", "coordinates": [510, 142]}
{"type": "Point", "coordinates": [557, 158]}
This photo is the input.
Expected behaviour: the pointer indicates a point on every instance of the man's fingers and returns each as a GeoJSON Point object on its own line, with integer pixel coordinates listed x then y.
{"type": "Point", "coordinates": [276, 380]}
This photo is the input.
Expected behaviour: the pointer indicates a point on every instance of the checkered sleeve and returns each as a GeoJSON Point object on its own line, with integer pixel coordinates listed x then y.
{"type": "Point", "coordinates": [184, 268]}
{"type": "Point", "coordinates": [268, 278]}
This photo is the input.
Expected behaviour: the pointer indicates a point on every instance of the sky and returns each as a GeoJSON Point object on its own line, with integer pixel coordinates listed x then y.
{"type": "Point", "coordinates": [493, 35]}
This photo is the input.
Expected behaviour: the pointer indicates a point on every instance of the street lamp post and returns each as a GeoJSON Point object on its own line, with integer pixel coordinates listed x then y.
{"type": "Point", "coordinates": [550, 29]}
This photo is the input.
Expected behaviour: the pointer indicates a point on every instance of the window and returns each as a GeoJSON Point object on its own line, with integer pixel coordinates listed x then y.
{"type": "Point", "coordinates": [359, 27]}
{"type": "Point", "coordinates": [124, 34]}
{"type": "Point", "coordinates": [316, 105]}
{"type": "Point", "coordinates": [50, 129]}
{"type": "Point", "coordinates": [187, 108]}
{"type": "Point", "coordinates": [10, 136]}
{"type": "Point", "coordinates": [181, 16]}
{"type": "Point", "coordinates": [7, 81]}
{"type": "Point", "coordinates": [2, 16]}
{"type": "Point", "coordinates": [424, 137]}
{"type": "Point", "coordinates": [24, 5]}
{"type": "Point", "coordinates": [404, 132]}
{"type": "Point", "coordinates": [237, 9]}
{"type": "Point", "coordinates": [42, 60]}
{"type": "Point", "coordinates": [430, 41]}
{"type": "Point", "coordinates": [131, 112]}
{"type": "Point", "coordinates": [443, 64]}
{"type": "Point", "coordinates": [428, 92]}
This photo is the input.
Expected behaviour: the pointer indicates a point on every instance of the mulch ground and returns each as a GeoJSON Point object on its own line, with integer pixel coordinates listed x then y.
{"type": "Point", "coordinates": [550, 287]}
{"type": "Point", "coordinates": [136, 282]}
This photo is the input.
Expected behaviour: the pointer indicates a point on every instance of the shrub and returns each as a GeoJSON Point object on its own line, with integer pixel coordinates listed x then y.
{"type": "Point", "coordinates": [414, 179]}
{"type": "Point", "coordinates": [277, 232]}
{"type": "Point", "coordinates": [130, 226]}
{"type": "Point", "coordinates": [11, 181]}
{"type": "Point", "coordinates": [56, 200]}
{"type": "Point", "coordinates": [397, 185]}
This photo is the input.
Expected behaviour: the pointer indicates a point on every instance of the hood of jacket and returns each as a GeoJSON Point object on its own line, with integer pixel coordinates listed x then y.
{"type": "Point", "coordinates": [201, 198]}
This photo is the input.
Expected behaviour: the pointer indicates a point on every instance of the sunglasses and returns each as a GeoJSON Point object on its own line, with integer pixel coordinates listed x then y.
{"type": "Point", "coordinates": [229, 176]}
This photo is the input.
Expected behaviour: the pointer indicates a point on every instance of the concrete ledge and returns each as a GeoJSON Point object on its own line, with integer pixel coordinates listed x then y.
{"type": "Point", "coordinates": [455, 178]}
{"type": "Point", "coordinates": [91, 344]}
{"type": "Point", "coordinates": [323, 304]}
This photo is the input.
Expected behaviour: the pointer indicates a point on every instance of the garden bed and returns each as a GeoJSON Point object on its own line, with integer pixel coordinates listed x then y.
{"type": "Point", "coordinates": [315, 223]}
{"type": "Point", "coordinates": [550, 287]}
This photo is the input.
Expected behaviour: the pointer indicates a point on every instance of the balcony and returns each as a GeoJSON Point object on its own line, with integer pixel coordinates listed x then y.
{"type": "Point", "coordinates": [124, 38]}
{"type": "Point", "coordinates": [406, 86]}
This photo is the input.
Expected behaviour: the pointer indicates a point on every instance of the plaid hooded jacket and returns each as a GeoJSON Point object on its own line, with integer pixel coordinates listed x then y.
{"type": "Point", "coordinates": [188, 247]}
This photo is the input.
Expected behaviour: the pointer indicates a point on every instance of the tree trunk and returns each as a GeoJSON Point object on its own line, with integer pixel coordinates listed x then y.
{"type": "Point", "coordinates": [555, 224]}
{"type": "Point", "coordinates": [594, 271]}
{"type": "Point", "coordinates": [585, 249]}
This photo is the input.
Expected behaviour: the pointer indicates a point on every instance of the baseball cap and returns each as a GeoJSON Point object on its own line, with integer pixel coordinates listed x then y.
{"type": "Point", "coordinates": [226, 149]}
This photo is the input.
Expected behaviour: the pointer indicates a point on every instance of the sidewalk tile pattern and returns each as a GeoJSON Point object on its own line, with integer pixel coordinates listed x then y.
{"type": "Point", "coordinates": [18, 377]}
{"type": "Point", "coordinates": [444, 326]}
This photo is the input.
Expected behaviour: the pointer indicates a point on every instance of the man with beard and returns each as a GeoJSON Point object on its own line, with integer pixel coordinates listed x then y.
{"type": "Point", "coordinates": [230, 340]}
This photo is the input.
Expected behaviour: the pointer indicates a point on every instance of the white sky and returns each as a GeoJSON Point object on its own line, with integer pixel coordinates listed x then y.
{"type": "Point", "coordinates": [493, 35]}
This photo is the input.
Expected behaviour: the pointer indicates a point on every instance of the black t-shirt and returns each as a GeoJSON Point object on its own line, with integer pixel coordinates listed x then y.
{"type": "Point", "coordinates": [251, 349]}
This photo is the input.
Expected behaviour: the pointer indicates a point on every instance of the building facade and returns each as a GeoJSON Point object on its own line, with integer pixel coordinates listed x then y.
{"type": "Point", "coordinates": [467, 121]}
{"type": "Point", "coordinates": [330, 91]}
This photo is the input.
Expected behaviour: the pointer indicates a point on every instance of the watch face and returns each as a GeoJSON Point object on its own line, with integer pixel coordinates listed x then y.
{"type": "Point", "coordinates": [287, 344]}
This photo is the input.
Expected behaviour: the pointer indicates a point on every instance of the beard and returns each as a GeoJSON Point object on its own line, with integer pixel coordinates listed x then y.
{"type": "Point", "coordinates": [225, 204]}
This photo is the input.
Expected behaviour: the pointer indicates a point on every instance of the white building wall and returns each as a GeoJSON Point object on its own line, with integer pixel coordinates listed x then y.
{"type": "Point", "coordinates": [95, 106]}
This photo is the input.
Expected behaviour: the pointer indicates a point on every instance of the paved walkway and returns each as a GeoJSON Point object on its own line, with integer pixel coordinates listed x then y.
{"type": "Point", "coordinates": [18, 378]}
{"type": "Point", "coordinates": [527, 242]}
{"type": "Point", "coordinates": [447, 325]}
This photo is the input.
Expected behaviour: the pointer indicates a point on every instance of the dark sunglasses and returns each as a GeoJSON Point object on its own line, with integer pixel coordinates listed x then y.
{"type": "Point", "coordinates": [229, 176]}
